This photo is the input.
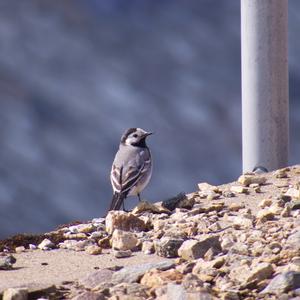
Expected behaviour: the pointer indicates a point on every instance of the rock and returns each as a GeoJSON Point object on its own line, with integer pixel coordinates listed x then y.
{"type": "Point", "coordinates": [286, 212]}
{"type": "Point", "coordinates": [82, 228]}
{"type": "Point", "coordinates": [146, 206]}
{"type": "Point", "coordinates": [20, 249]}
{"type": "Point", "coordinates": [93, 279]}
{"type": "Point", "coordinates": [6, 262]}
{"type": "Point", "coordinates": [245, 221]}
{"type": "Point", "coordinates": [15, 294]}
{"type": "Point", "coordinates": [93, 250]}
{"type": "Point", "coordinates": [236, 206]}
{"type": "Point", "coordinates": [231, 295]}
{"type": "Point", "coordinates": [104, 243]}
{"type": "Point", "coordinates": [32, 246]}
{"type": "Point", "coordinates": [264, 215]}
{"type": "Point", "coordinates": [295, 205]}
{"type": "Point", "coordinates": [239, 189]}
{"type": "Point", "coordinates": [193, 249]}
{"type": "Point", "coordinates": [211, 195]}
{"type": "Point", "coordinates": [168, 246]}
{"type": "Point", "coordinates": [46, 244]}
{"type": "Point", "coordinates": [204, 187]}
{"type": "Point", "coordinates": [294, 193]}
{"type": "Point", "coordinates": [123, 221]}
{"type": "Point", "coordinates": [281, 173]}
{"type": "Point", "coordinates": [75, 245]}
{"type": "Point", "coordinates": [181, 200]}
{"type": "Point", "coordinates": [89, 296]}
{"type": "Point", "coordinates": [283, 283]}
{"type": "Point", "coordinates": [265, 203]}
{"type": "Point", "coordinates": [176, 292]}
{"type": "Point", "coordinates": [246, 180]}
{"type": "Point", "coordinates": [122, 253]}
{"type": "Point", "coordinates": [123, 240]}
{"type": "Point", "coordinates": [293, 241]}
{"type": "Point", "coordinates": [75, 236]}
{"type": "Point", "coordinates": [134, 273]}
{"type": "Point", "coordinates": [155, 278]}
{"type": "Point", "coordinates": [260, 272]}
{"type": "Point", "coordinates": [148, 247]}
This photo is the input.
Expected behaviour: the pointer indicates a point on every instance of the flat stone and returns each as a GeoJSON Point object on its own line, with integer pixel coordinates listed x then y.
{"type": "Point", "coordinates": [123, 221]}
{"type": "Point", "coordinates": [123, 240]}
{"type": "Point", "coordinates": [283, 283]}
{"type": "Point", "coordinates": [95, 278]}
{"type": "Point", "coordinates": [89, 296]}
{"type": "Point", "coordinates": [144, 206]}
{"type": "Point", "coordinates": [193, 249]}
{"type": "Point", "coordinates": [15, 294]}
{"type": "Point", "coordinates": [134, 273]}
{"type": "Point", "coordinates": [168, 246]}
{"type": "Point", "coordinates": [122, 253]}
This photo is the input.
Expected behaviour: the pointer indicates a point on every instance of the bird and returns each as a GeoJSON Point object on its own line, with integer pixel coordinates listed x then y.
{"type": "Point", "coordinates": [132, 167]}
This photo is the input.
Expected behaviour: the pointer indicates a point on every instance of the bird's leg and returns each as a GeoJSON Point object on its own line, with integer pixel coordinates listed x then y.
{"type": "Point", "coordinates": [124, 209]}
{"type": "Point", "coordinates": [139, 195]}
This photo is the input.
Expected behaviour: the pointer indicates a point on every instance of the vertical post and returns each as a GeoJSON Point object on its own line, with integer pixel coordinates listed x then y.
{"type": "Point", "coordinates": [265, 107]}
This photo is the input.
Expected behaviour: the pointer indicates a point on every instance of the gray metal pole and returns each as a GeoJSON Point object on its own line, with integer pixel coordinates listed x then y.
{"type": "Point", "coordinates": [265, 108]}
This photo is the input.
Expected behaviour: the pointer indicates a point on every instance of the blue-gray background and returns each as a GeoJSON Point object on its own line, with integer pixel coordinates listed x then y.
{"type": "Point", "coordinates": [75, 74]}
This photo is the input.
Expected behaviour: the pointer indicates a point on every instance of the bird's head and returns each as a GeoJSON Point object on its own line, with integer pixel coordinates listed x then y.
{"type": "Point", "coordinates": [135, 137]}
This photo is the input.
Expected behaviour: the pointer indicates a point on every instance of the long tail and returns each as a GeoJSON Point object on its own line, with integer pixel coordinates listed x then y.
{"type": "Point", "coordinates": [117, 201]}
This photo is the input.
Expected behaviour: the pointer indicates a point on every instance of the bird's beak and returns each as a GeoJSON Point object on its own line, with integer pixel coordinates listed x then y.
{"type": "Point", "coordinates": [148, 133]}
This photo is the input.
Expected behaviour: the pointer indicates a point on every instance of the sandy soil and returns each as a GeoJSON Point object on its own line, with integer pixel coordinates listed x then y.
{"type": "Point", "coordinates": [41, 268]}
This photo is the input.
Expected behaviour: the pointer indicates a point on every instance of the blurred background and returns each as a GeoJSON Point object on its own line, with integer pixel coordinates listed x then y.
{"type": "Point", "coordinates": [75, 74]}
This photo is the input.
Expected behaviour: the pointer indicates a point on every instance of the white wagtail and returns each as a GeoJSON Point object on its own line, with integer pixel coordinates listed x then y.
{"type": "Point", "coordinates": [132, 167]}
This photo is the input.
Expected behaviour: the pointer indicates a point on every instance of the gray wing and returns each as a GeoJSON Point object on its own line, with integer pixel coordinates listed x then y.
{"type": "Point", "coordinates": [129, 165]}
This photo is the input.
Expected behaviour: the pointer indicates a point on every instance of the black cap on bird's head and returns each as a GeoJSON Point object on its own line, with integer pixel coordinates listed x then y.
{"type": "Point", "coordinates": [135, 137]}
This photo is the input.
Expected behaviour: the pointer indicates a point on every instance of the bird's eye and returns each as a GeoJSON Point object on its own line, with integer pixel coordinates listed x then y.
{"type": "Point", "coordinates": [135, 135]}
